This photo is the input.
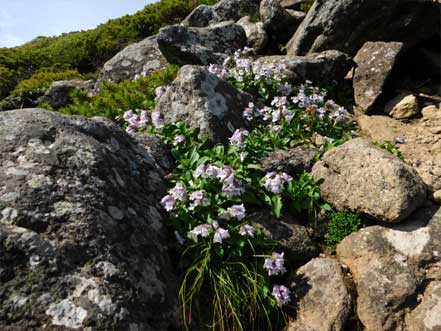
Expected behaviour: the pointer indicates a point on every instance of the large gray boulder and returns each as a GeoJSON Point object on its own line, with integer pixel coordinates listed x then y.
{"type": "Point", "coordinates": [58, 94]}
{"type": "Point", "coordinates": [362, 178]}
{"type": "Point", "coordinates": [322, 300]}
{"type": "Point", "coordinates": [320, 68]}
{"type": "Point", "coordinates": [346, 25]}
{"type": "Point", "coordinates": [226, 10]}
{"type": "Point", "coordinates": [185, 45]}
{"type": "Point", "coordinates": [82, 240]}
{"type": "Point", "coordinates": [391, 267]}
{"type": "Point", "coordinates": [280, 23]}
{"type": "Point", "coordinates": [375, 61]}
{"type": "Point", "coordinates": [205, 102]}
{"type": "Point", "coordinates": [136, 60]}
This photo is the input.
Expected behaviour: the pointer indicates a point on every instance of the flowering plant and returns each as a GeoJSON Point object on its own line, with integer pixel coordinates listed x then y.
{"type": "Point", "coordinates": [223, 252]}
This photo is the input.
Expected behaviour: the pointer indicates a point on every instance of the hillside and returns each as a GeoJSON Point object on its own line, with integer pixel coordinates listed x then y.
{"type": "Point", "coordinates": [86, 51]}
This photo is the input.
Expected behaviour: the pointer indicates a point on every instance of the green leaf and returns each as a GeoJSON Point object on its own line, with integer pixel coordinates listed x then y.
{"type": "Point", "coordinates": [277, 205]}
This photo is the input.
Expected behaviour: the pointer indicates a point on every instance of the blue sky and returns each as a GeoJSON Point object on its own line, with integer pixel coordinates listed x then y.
{"type": "Point", "coordinates": [23, 20]}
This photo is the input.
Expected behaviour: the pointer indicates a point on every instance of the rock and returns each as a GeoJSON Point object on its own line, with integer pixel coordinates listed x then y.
{"type": "Point", "coordinates": [291, 4]}
{"type": "Point", "coordinates": [362, 178]}
{"type": "Point", "coordinates": [16, 102]}
{"type": "Point", "coordinates": [403, 106]}
{"type": "Point", "coordinates": [322, 299]}
{"type": "Point", "coordinates": [420, 147]}
{"type": "Point", "coordinates": [226, 10]}
{"type": "Point", "coordinates": [320, 68]}
{"type": "Point", "coordinates": [293, 161]}
{"type": "Point", "coordinates": [157, 149]}
{"type": "Point", "coordinates": [292, 237]}
{"type": "Point", "coordinates": [431, 112]}
{"type": "Point", "coordinates": [375, 61]}
{"type": "Point", "coordinates": [136, 60]}
{"type": "Point", "coordinates": [335, 24]}
{"type": "Point", "coordinates": [256, 34]}
{"type": "Point", "coordinates": [205, 102]}
{"type": "Point", "coordinates": [427, 315]}
{"type": "Point", "coordinates": [184, 45]}
{"type": "Point", "coordinates": [390, 267]}
{"type": "Point", "coordinates": [58, 94]}
{"type": "Point", "coordinates": [82, 241]}
{"type": "Point", "coordinates": [278, 21]}
{"type": "Point", "coordinates": [437, 196]}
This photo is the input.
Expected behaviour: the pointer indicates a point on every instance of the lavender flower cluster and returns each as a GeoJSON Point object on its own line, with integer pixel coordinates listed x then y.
{"type": "Point", "coordinates": [274, 181]}
{"type": "Point", "coordinates": [275, 265]}
{"type": "Point", "coordinates": [231, 185]}
{"type": "Point", "coordinates": [140, 121]}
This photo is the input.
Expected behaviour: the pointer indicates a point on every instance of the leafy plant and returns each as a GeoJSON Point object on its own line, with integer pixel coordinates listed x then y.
{"type": "Point", "coordinates": [342, 224]}
{"type": "Point", "coordinates": [391, 148]}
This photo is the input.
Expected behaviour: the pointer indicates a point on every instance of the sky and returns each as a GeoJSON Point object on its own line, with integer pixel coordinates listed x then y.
{"type": "Point", "coordinates": [23, 20]}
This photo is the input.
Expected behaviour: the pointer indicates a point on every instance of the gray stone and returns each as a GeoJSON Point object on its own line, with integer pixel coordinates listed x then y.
{"type": "Point", "coordinates": [427, 315]}
{"type": "Point", "coordinates": [293, 161]}
{"type": "Point", "coordinates": [359, 177]}
{"type": "Point", "coordinates": [58, 94]}
{"type": "Point", "coordinates": [320, 68]}
{"type": "Point", "coordinates": [82, 242]}
{"type": "Point", "coordinates": [292, 237]}
{"type": "Point", "coordinates": [375, 61]}
{"type": "Point", "coordinates": [346, 25]}
{"type": "Point", "coordinates": [136, 60]}
{"type": "Point", "coordinates": [256, 34]}
{"type": "Point", "coordinates": [322, 300]}
{"type": "Point", "coordinates": [205, 102]}
{"type": "Point", "coordinates": [390, 267]}
{"type": "Point", "coordinates": [186, 45]}
{"type": "Point", "coordinates": [226, 10]}
{"type": "Point", "coordinates": [279, 22]}
{"type": "Point", "coordinates": [157, 149]}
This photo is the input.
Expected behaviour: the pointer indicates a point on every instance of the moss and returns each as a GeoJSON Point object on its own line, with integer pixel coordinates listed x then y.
{"type": "Point", "coordinates": [342, 224]}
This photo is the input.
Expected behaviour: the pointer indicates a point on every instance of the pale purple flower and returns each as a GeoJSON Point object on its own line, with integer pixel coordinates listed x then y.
{"type": "Point", "coordinates": [157, 119]}
{"type": "Point", "coordinates": [248, 112]}
{"type": "Point", "coordinates": [243, 155]}
{"type": "Point", "coordinates": [247, 230]}
{"type": "Point", "coordinates": [168, 202]}
{"type": "Point", "coordinates": [285, 89]}
{"type": "Point", "coordinates": [211, 171]}
{"type": "Point", "coordinates": [178, 192]}
{"type": "Point", "coordinates": [282, 294]}
{"type": "Point", "coordinates": [238, 137]}
{"type": "Point", "coordinates": [232, 186]}
{"type": "Point", "coordinates": [220, 234]}
{"type": "Point", "coordinates": [128, 115]}
{"type": "Point", "coordinates": [199, 199]}
{"type": "Point", "coordinates": [159, 91]}
{"type": "Point", "coordinates": [275, 264]}
{"type": "Point", "coordinates": [202, 230]}
{"type": "Point", "coordinates": [178, 139]}
{"type": "Point", "coordinates": [274, 181]}
{"type": "Point", "coordinates": [235, 211]}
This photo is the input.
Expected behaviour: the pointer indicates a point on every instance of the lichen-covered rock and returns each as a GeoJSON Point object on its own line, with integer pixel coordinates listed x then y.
{"type": "Point", "coordinates": [346, 25]}
{"type": "Point", "coordinates": [293, 161]}
{"type": "Point", "coordinates": [158, 149]}
{"type": "Point", "coordinates": [390, 267]}
{"type": "Point", "coordinates": [418, 141]}
{"type": "Point", "coordinates": [226, 10]}
{"type": "Point", "coordinates": [206, 102]}
{"type": "Point", "coordinates": [322, 300]}
{"type": "Point", "coordinates": [186, 45]}
{"type": "Point", "coordinates": [58, 94]}
{"type": "Point", "coordinates": [279, 22]}
{"type": "Point", "coordinates": [256, 34]}
{"type": "Point", "coordinates": [82, 243]}
{"type": "Point", "coordinates": [375, 61]}
{"type": "Point", "coordinates": [360, 177]}
{"type": "Point", "coordinates": [136, 60]}
{"type": "Point", "coordinates": [403, 106]}
{"type": "Point", "coordinates": [427, 315]}
{"type": "Point", "coordinates": [320, 68]}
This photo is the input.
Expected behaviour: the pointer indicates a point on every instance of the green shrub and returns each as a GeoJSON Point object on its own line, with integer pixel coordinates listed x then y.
{"type": "Point", "coordinates": [391, 148]}
{"type": "Point", "coordinates": [117, 97]}
{"type": "Point", "coordinates": [342, 224]}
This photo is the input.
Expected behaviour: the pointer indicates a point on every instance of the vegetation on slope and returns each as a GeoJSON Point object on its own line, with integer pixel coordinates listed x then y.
{"type": "Point", "coordinates": [86, 51]}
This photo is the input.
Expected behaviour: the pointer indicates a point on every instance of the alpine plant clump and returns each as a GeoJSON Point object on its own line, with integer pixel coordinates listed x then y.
{"type": "Point", "coordinates": [216, 191]}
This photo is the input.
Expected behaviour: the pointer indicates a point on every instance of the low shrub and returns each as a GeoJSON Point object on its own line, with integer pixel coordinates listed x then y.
{"type": "Point", "coordinates": [342, 224]}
